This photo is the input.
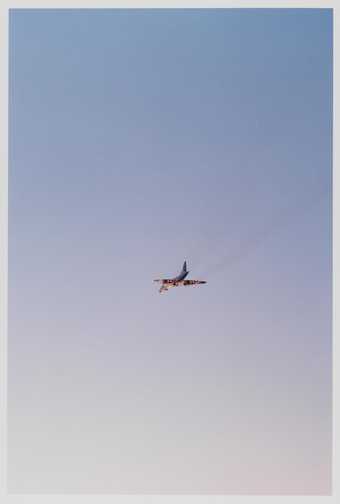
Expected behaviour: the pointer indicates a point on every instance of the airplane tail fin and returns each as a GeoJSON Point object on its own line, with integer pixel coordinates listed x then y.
{"type": "Point", "coordinates": [184, 269]}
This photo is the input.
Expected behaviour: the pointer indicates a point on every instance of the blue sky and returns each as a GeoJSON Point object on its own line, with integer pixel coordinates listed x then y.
{"type": "Point", "coordinates": [138, 139]}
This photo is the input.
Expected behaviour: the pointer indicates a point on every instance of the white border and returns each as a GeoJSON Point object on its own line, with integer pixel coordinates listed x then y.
{"type": "Point", "coordinates": [3, 239]}
{"type": "Point", "coordinates": [131, 499]}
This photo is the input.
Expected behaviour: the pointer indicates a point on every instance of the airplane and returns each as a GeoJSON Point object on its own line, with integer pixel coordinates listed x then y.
{"type": "Point", "coordinates": [179, 280]}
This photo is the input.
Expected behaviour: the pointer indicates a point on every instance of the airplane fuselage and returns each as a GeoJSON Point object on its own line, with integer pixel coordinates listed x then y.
{"type": "Point", "coordinates": [166, 283]}
{"type": "Point", "coordinates": [178, 278]}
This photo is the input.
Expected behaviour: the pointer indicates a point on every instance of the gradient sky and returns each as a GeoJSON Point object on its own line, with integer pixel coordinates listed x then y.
{"type": "Point", "coordinates": [139, 139]}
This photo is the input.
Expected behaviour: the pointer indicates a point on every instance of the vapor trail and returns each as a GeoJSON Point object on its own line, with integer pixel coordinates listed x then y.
{"type": "Point", "coordinates": [249, 244]}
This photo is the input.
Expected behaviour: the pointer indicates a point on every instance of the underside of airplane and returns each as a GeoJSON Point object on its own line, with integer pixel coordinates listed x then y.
{"type": "Point", "coordinates": [167, 283]}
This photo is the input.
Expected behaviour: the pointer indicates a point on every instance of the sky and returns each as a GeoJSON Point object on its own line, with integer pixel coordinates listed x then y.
{"type": "Point", "coordinates": [140, 139]}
